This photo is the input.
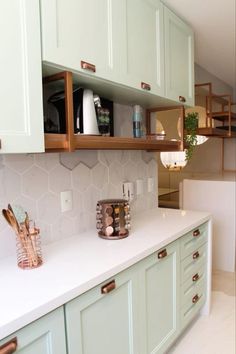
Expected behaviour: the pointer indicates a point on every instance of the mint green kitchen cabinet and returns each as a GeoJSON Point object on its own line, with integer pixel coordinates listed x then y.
{"type": "Point", "coordinates": [193, 279]}
{"type": "Point", "coordinates": [78, 31]}
{"type": "Point", "coordinates": [159, 287]}
{"type": "Point", "coordinates": [144, 47]}
{"type": "Point", "coordinates": [123, 40]}
{"type": "Point", "coordinates": [104, 320]}
{"type": "Point", "coordinates": [138, 44]}
{"type": "Point", "coordinates": [21, 119]}
{"type": "Point", "coordinates": [179, 59]}
{"type": "Point", "coordinates": [44, 336]}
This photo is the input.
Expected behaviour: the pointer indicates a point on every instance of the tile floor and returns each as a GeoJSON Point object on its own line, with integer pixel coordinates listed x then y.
{"type": "Point", "coordinates": [214, 334]}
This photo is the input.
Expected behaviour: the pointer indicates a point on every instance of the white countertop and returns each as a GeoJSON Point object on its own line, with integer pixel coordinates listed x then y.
{"type": "Point", "coordinates": [76, 264]}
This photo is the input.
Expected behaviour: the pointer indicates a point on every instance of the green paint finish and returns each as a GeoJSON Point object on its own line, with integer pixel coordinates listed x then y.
{"type": "Point", "coordinates": [44, 336]}
{"type": "Point", "coordinates": [105, 323]}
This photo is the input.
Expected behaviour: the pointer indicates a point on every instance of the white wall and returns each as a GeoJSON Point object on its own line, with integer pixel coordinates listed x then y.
{"type": "Point", "coordinates": [218, 198]}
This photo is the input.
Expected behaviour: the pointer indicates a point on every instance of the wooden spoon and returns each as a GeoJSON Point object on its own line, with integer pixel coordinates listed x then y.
{"type": "Point", "coordinates": [10, 220]}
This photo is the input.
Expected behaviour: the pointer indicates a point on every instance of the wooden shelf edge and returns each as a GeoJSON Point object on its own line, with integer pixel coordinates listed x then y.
{"type": "Point", "coordinates": [58, 142]}
{"type": "Point", "coordinates": [121, 143]}
{"type": "Point", "coordinates": [54, 142]}
{"type": "Point", "coordinates": [214, 132]}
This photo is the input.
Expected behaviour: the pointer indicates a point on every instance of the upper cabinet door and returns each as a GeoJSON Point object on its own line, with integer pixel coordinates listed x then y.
{"type": "Point", "coordinates": [75, 31]}
{"type": "Point", "coordinates": [144, 45]}
{"type": "Point", "coordinates": [21, 119]}
{"type": "Point", "coordinates": [179, 59]}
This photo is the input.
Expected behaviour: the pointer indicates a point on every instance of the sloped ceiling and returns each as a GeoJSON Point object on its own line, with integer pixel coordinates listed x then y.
{"type": "Point", "coordinates": [213, 22]}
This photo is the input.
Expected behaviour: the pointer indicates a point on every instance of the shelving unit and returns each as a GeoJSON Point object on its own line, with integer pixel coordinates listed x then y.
{"type": "Point", "coordinates": [71, 142]}
{"type": "Point", "coordinates": [218, 109]}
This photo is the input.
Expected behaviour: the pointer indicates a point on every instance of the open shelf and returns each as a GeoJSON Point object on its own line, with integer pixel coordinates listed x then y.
{"type": "Point", "coordinates": [69, 141]}
{"type": "Point", "coordinates": [214, 132]}
{"type": "Point", "coordinates": [218, 108]}
{"type": "Point", "coordinates": [58, 142]}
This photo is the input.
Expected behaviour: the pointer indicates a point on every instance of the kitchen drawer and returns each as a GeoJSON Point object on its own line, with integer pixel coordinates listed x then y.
{"type": "Point", "coordinates": [193, 240]}
{"type": "Point", "coordinates": [191, 264]}
{"type": "Point", "coordinates": [190, 309]}
{"type": "Point", "coordinates": [193, 285]}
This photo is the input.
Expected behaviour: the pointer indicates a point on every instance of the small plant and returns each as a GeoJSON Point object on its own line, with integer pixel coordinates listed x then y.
{"type": "Point", "coordinates": [190, 126]}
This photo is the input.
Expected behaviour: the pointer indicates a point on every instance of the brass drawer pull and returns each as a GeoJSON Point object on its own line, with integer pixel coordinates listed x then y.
{"type": "Point", "coordinates": [88, 66]}
{"type": "Point", "coordinates": [196, 255]}
{"type": "Point", "coordinates": [195, 277]}
{"type": "Point", "coordinates": [195, 299]}
{"type": "Point", "coordinates": [182, 99]}
{"type": "Point", "coordinates": [162, 254]}
{"type": "Point", "coordinates": [105, 289]}
{"type": "Point", "coordinates": [196, 233]}
{"type": "Point", "coordinates": [9, 347]}
{"type": "Point", "coordinates": [145, 86]}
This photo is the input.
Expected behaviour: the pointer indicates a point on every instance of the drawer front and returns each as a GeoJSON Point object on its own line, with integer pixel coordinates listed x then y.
{"type": "Point", "coordinates": [191, 264]}
{"type": "Point", "coordinates": [193, 240]}
{"type": "Point", "coordinates": [192, 307]}
{"type": "Point", "coordinates": [195, 284]}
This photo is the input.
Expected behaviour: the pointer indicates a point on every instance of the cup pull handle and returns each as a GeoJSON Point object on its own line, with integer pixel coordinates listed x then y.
{"type": "Point", "coordinates": [9, 347]}
{"type": "Point", "coordinates": [196, 255]}
{"type": "Point", "coordinates": [88, 66]}
{"type": "Point", "coordinates": [107, 288]}
{"type": "Point", "coordinates": [196, 233]}
{"type": "Point", "coordinates": [195, 277]}
{"type": "Point", "coordinates": [145, 86]}
{"type": "Point", "coordinates": [182, 99]}
{"type": "Point", "coordinates": [162, 254]}
{"type": "Point", "coordinates": [195, 299]}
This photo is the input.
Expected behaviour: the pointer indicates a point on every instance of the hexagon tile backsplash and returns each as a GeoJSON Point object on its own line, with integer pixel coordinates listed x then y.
{"type": "Point", "coordinates": [36, 181]}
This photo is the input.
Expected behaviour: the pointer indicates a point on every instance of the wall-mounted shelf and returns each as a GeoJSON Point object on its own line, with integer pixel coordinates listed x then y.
{"type": "Point", "coordinates": [58, 142]}
{"type": "Point", "coordinates": [218, 109]}
{"type": "Point", "coordinates": [71, 142]}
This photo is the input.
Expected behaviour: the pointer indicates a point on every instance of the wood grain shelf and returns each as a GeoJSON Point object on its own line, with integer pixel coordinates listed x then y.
{"type": "Point", "coordinates": [214, 132]}
{"type": "Point", "coordinates": [57, 142]}
{"type": "Point", "coordinates": [223, 116]}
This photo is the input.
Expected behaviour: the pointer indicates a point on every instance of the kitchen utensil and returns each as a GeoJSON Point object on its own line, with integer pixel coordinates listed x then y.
{"type": "Point", "coordinates": [10, 218]}
{"type": "Point", "coordinates": [28, 239]}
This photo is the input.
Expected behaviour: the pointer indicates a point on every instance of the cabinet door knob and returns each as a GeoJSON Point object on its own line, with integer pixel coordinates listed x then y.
{"type": "Point", "coordinates": [195, 299]}
{"type": "Point", "coordinates": [88, 66]}
{"type": "Point", "coordinates": [182, 99]}
{"type": "Point", "coordinates": [162, 254]}
{"type": "Point", "coordinates": [195, 277]}
{"type": "Point", "coordinates": [145, 86]}
{"type": "Point", "coordinates": [9, 347]}
{"type": "Point", "coordinates": [105, 289]}
{"type": "Point", "coordinates": [196, 233]}
{"type": "Point", "coordinates": [196, 255]}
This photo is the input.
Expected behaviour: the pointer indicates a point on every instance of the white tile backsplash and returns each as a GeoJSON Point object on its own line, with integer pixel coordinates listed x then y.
{"type": "Point", "coordinates": [35, 182]}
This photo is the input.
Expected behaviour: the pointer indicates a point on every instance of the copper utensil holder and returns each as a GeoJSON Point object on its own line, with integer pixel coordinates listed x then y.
{"type": "Point", "coordinates": [28, 244]}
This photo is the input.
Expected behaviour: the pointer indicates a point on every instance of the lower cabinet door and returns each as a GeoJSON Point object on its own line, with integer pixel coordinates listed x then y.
{"type": "Point", "coordinates": [104, 319]}
{"type": "Point", "coordinates": [44, 336]}
{"type": "Point", "coordinates": [160, 275]}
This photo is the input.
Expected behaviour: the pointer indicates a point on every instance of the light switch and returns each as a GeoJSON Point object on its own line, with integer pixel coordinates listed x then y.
{"type": "Point", "coordinates": [150, 184]}
{"type": "Point", "coordinates": [66, 201]}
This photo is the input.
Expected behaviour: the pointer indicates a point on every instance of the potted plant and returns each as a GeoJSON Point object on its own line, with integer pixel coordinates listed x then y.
{"type": "Point", "coordinates": [190, 127]}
